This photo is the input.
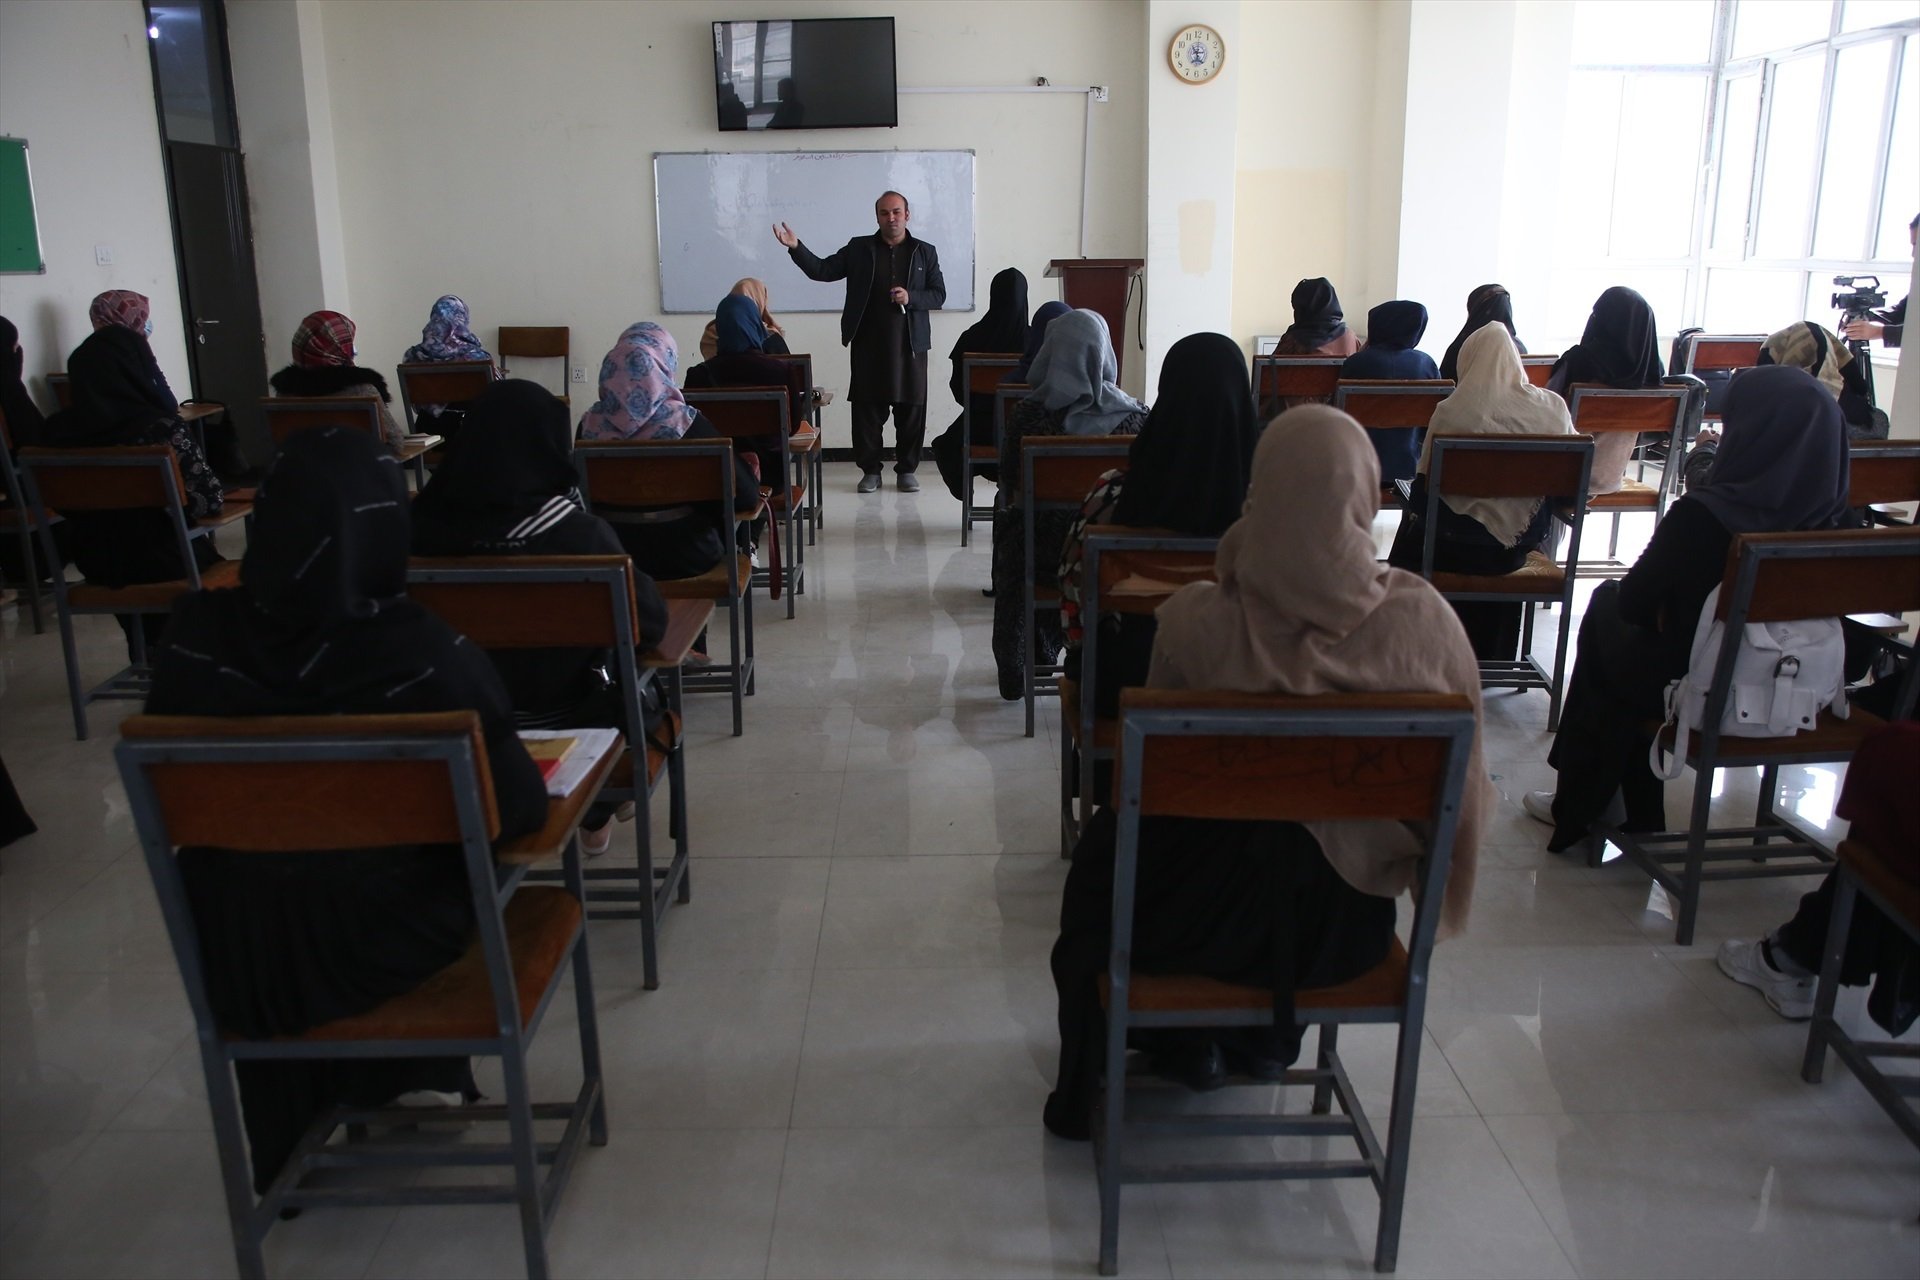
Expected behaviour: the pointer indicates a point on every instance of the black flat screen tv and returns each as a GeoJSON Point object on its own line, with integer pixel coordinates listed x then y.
{"type": "Point", "coordinates": [805, 73]}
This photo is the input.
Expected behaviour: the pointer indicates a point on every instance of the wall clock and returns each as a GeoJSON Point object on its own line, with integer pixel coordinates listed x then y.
{"type": "Point", "coordinates": [1197, 54]}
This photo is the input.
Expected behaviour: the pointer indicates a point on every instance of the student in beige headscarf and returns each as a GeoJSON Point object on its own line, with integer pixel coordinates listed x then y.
{"type": "Point", "coordinates": [1484, 535]}
{"type": "Point", "coordinates": [1826, 356]}
{"type": "Point", "coordinates": [1300, 607]}
{"type": "Point", "coordinates": [748, 287]}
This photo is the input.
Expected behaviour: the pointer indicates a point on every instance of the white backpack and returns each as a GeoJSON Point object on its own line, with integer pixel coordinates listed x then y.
{"type": "Point", "coordinates": [1784, 675]}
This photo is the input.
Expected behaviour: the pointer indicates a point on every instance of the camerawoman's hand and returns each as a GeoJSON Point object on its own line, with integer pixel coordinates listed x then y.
{"type": "Point", "coordinates": [1863, 330]}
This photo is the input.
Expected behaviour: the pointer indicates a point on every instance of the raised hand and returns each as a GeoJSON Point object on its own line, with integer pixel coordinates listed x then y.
{"type": "Point", "coordinates": [784, 234]}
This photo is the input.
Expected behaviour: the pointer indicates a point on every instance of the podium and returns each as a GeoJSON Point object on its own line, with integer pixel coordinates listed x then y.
{"type": "Point", "coordinates": [1102, 285]}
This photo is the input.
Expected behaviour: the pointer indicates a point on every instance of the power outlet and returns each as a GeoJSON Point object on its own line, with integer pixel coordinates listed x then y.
{"type": "Point", "coordinates": [579, 373]}
{"type": "Point", "coordinates": [102, 255]}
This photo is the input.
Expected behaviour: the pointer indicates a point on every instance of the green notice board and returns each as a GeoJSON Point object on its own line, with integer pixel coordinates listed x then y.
{"type": "Point", "coordinates": [19, 227]}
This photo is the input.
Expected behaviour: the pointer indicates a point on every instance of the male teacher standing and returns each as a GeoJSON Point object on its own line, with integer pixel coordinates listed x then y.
{"type": "Point", "coordinates": [893, 281]}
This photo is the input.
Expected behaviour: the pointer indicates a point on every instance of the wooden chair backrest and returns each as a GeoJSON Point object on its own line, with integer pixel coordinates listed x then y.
{"type": "Point", "coordinates": [647, 473]}
{"type": "Point", "coordinates": [535, 342]}
{"type": "Point", "coordinates": [1707, 352]}
{"type": "Point", "coordinates": [984, 372]}
{"type": "Point", "coordinates": [286, 415]}
{"type": "Point", "coordinates": [1295, 376]}
{"type": "Point", "coordinates": [1496, 466]}
{"type": "Point", "coordinates": [1387, 405]}
{"type": "Point", "coordinates": [132, 477]}
{"type": "Point", "coordinates": [1065, 468]}
{"type": "Point", "coordinates": [1883, 471]}
{"type": "Point", "coordinates": [1539, 368]}
{"type": "Point", "coordinates": [744, 413]}
{"type": "Point", "coordinates": [1175, 568]}
{"type": "Point", "coordinates": [1598, 408]}
{"type": "Point", "coordinates": [1005, 396]}
{"type": "Point", "coordinates": [446, 382]}
{"type": "Point", "coordinates": [529, 602]}
{"type": "Point", "coordinates": [62, 387]}
{"type": "Point", "coordinates": [1824, 573]}
{"type": "Point", "coordinates": [244, 793]}
{"type": "Point", "coordinates": [1263, 776]}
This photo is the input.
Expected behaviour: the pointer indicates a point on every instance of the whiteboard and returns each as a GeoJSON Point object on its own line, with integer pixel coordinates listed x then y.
{"type": "Point", "coordinates": [715, 212]}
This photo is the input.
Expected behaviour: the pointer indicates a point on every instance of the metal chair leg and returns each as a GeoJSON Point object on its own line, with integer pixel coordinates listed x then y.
{"type": "Point", "coordinates": [1696, 856]}
{"type": "Point", "coordinates": [1814, 1066]}
{"type": "Point", "coordinates": [1329, 1044]}
{"type": "Point", "coordinates": [526, 1163]}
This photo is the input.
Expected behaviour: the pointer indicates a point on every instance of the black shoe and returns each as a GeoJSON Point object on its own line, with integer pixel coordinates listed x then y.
{"type": "Point", "coordinates": [1065, 1121]}
{"type": "Point", "coordinates": [1200, 1065]}
{"type": "Point", "coordinates": [869, 482]}
{"type": "Point", "coordinates": [909, 482]}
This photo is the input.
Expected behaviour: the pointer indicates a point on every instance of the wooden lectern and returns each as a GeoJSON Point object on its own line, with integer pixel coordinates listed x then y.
{"type": "Point", "coordinates": [1100, 284]}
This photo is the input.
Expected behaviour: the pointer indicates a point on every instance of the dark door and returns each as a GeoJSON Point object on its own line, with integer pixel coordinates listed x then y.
{"type": "Point", "coordinates": [212, 236]}
{"type": "Point", "coordinates": [220, 294]}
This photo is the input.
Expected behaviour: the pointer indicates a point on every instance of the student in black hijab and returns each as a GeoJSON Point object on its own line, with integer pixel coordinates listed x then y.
{"type": "Point", "coordinates": [1489, 304]}
{"type": "Point", "coordinates": [1617, 349]}
{"type": "Point", "coordinates": [1186, 471]}
{"type": "Point", "coordinates": [322, 625]}
{"type": "Point", "coordinates": [1782, 466]}
{"type": "Point", "coordinates": [1045, 314]}
{"type": "Point", "coordinates": [17, 409]}
{"type": "Point", "coordinates": [1394, 330]}
{"type": "Point", "coordinates": [120, 397]}
{"type": "Point", "coordinates": [1001, 331]}
{"type": "Point", "coordinates": [1319, 328]}
{"type": "Point", "coordinates": [507, 489]}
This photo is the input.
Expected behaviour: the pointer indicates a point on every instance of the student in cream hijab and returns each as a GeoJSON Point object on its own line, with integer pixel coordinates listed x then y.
{"type": "Point", "coordinates": [1288, 906]}
{"type": "Point", "coordinates": [1485, 535]}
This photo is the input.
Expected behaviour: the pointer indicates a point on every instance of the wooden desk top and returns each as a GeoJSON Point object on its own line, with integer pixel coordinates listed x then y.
{"type": "Point", "coordinates": [563, 815]}
{"type": "Point", "coordinates": [686, 619]}
{"type": "Point", "coordinates": [234, 510]}
{"type": "Point", "coordinates": [412, 449]}
{"type": "Point", "coordinates": [196, 410]}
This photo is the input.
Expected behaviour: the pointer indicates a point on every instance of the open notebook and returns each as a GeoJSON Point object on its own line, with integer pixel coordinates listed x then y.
{"type": "Point", "coordinates": [565, 756]}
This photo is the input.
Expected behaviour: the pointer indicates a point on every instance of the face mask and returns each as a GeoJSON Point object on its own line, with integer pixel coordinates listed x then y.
{"type": "Point", "coordinates": [147, 328]}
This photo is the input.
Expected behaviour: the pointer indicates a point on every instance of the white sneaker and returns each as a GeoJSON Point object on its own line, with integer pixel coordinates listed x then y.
{"type": "Point", "coordinates": [1742, 960]}
{"type": "Point", "coordinates": [1539, 806]}
{"type": "Point", "coordinates": [428, 1098]}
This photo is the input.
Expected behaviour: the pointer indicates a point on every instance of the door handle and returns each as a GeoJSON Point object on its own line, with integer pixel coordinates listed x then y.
{"type": "Point", "coordinates": [201, 325]}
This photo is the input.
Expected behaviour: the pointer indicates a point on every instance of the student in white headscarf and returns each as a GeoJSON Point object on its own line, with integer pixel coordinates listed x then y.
{"type": "Point", "coordinates": [1484, 535]}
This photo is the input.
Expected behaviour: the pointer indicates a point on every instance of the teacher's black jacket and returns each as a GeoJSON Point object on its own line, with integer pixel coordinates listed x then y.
{"type": "Point", "coordinates": [926, 287]}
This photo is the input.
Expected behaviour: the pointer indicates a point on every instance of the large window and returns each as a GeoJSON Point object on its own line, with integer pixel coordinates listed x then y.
{"type": "Point", "coordinates": [1728, 158]}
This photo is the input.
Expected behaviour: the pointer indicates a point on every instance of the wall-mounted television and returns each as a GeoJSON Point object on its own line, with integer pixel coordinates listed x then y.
{"type": "Point", "coordinates": [805, 73]}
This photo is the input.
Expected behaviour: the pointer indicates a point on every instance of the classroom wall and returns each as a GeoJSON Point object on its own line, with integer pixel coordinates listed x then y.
{"type": "Point", "coordinates": [75, 82]}
{"type": "Point", "coordinates": [538, 208]}
{"type": "Point", "coordinates": [1303, 175]}
{"type": "Point", "coordinates": [281, 94]}
{"type": "Point", "coordinates": [1191, 179]}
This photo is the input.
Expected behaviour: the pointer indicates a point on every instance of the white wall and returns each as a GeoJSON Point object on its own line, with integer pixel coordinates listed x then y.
{"type": "Point", "coordinates": [75, 82]}
{"type": "Point", "coordinates": [1460, 61]}
{"type": "Point", "coordinates": [283, 101]}
{"type": "Point", "coordinates": [1191, 131]}
{"type": "Point", "coordinates": [503, 152]}
{"type": "Point", "coordinates": [1303, 176]}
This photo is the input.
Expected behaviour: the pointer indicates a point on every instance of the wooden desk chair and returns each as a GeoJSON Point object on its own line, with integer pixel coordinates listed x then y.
{"type": "Point", "coordinates": [807, 441]}
{"type": "Point", "coordinates": [1774, 577]}
{"type": "Point", "coordinates": [1056, 474]}
{"type": "Point", "coordinates": [19, 523]}
{"type": "Point", "coordinates": [285, 415]}
{"type": "Point", "coordinates": [1005, 396]}
{"type": "Point", "coordinates": [1391, 405]}
{"type": "Point", "coordinates": [1124, 572]}
{"type": "Point", "coordinates": [62, 387]}
{"type": "Point", "coordinates": [1244, 756]}
{"type": "Point", "coordinates": [298, 783]}
{"type": "Point", "coordinates": [1539, 369]}
{"type": "Point", "coordinates": [1279, 381]}
{"type": "Point", "coordinates": [981, 374]}
{"type": "Point", "coordinates": [451, 383]}
{"type": "Point", "coordinates": [537, 342]}
{"type": "Point", "coordinates": [1501, 466]}
{"type": "Point", "coordinates": [134, 478]}
{"type": "Point", "coordinates": [1719, 353]}
{"type": "Point", "coordinates": [757, 418]}
{"type": "Point", "coordinates": [619, 475]}
{"type": "Point", "coordinates": [1868, 871]}
{"type": "Point", "coordinates": [582, 602]}
{"type": "Point", "coordinates": [1601, 410]}
{"type": "Point", "coordinates": [1883, 475]}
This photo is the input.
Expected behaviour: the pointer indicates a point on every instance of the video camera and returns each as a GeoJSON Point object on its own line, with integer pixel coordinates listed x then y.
{"type": "Point", "coordinates": [1864, 299]}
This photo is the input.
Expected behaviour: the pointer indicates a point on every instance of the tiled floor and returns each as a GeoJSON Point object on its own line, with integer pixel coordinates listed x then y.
{"type": "Point", "coordinates": [841, 1073]}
